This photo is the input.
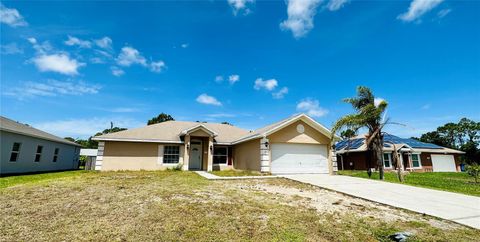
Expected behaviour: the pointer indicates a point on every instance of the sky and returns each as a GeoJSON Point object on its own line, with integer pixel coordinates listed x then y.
{"type": "Point", "coordinates": [70, 68]}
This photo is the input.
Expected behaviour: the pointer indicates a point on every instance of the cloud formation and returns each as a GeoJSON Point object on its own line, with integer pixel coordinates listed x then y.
{"type": "Point", "coordinates": [281, 93]}
{"type": "Point", "coordinates": [300, 17]}
{"type": "Point", "coordinates": [10, 49]}
{"type": "Point", "coordinates": [11, 17]}
{"type": "Point", "coordinates": [104, 43]}
{"type": "Point", "coordinates": [117, 71]}
{"type": "Point", "coordinates": [72, 41]}
{"type": "Point", "coordinates": [268, 85]}
{"type": "Point", "coordinates": [208, 100]}
{"type": "Point", "coordinates": [60, 63]}
{"type": "Point", "coordinates": [334, 5]}
{"type": "Point", "coordinates": [232, 79]}
{"type": "Point", "coordinates": [311, 107]}
{"type": "Point", "coordinates": [52, 88]}
{"type": "Point", "coordinates": [418, 8]}
{"type": "Point", "coordinates": [241, 6]}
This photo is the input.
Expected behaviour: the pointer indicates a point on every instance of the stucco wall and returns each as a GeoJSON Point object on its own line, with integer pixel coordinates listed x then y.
{"type": "Point", "coordinates": [67, 157]}
{"type": "Point", "coordinates": [290, 134]}
{"type": "Point", "coordinates": [246, 156]}
{"type": "Point", "coordinates": [134, 156]}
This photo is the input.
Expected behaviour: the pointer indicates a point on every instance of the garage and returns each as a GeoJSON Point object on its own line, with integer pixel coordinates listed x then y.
{"type": "Point", "coordinates": [445, 163]}
{"type": "Point", "coordinates": [298, 158]}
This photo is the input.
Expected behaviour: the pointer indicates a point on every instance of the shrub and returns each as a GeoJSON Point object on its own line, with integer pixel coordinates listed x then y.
{"type": "Point", "coordinates": [474, 170]}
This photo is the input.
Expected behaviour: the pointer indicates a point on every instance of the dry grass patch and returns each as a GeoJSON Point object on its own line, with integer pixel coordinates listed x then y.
{"type": "Point", "coordinates": [182, 206]}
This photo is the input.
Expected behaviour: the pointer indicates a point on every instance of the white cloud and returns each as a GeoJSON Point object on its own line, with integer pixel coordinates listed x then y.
{"type": "Point", "coordinates": [104, 43]}
{"type": "Point", "coordinates": [300, 16]}
{"type": "Point", "coordinates": [281, 93]}
{"type": "Point", "coordinates": [124, 110]}
{"type": "Point", "coordinates": [334, 5]}
{"type": "Point", "coordinates": [311, 107]}
{"type": "Point", "coordinates": [52, 88]}
{"type": "Point", "coordinates": [10, 49]}
{"type": "Point", "coordinates": [60, 63]}
{"type": "Point", "coordinates": [157, 66]}
{"type": "Point", "coordinates": [221, 115]}
{"type": "Point", "coordinates": [11, 17]}
{"type": "Point", "coordinates": [377, 101]}
{"type": "Point", "coordinates": [130, 56]}
{"type": "Point", "coordinates": [84, 128]}
{"type": "Point", "coordinates": [268, 85]}
{"type": "Point", "coordinates": [239, 6]}
{"type": "Point", "coordinates": [219, 79]}
{"type": "Point", "coordinates": [40, 48]}
{"type": "Point", "coordinates": [233, 78]}
{"type": "Point", "coordinates": [184, 45]}
{"type": "Point", "coordinates": [418, 8]}
{"type": "Point", "coordinates": [209, 100]}
{"type": "Point", "coordinates": [76, 41]}
{"type": "Point", "coordinates": [117, 71]}
{"type": "Point", "coordinates": [444, 12]}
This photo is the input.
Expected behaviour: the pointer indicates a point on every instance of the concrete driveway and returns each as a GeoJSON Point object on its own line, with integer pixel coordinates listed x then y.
{"type": "Point", "coordinates": [456, 207]}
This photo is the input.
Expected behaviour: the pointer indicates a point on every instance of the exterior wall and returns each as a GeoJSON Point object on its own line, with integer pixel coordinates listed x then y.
{"type": "Point", "coordinates": [246, 156]}
{"type": "Point", "coordinates": [290, 134]}
{"type": "Point", "coordinates": [67, 157]}
{"type": "Point", "coordinates": [135, 156]}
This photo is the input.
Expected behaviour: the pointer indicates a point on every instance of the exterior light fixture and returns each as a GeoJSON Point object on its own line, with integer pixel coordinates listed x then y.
{"type": "Point", "coordinates": [211, 148]}
{"type": "Point", "coordinates": [188, 145]}
{"type": "Point", "coordinates": [266, 144]}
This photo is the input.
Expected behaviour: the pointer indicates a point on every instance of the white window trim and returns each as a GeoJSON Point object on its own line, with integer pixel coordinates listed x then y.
{"type": "Point", "coordinates": [163, 156]}
{"type": "Point", "coordinates": [419, 161]}
{"type": "Point", "coordinates": [226, 160]}
{"type": "Point", "coordinates": [389, 159]}
{"type": "Point", "coordinates": [17, 152]}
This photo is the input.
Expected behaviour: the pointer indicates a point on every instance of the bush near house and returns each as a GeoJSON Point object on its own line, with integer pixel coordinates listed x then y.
{"type": "Point", "coordinates": [459, 182]}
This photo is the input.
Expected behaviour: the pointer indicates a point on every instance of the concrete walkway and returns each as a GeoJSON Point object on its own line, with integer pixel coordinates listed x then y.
{"type": "Point", "coordinates": [456, 207]}
{"type": "Point", "coordinates": [211, 176]}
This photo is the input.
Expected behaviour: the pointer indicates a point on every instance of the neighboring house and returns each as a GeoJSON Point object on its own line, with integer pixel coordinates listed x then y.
{"type": "Point", "coordinates": [25, 149]}
{"type": "Point", "coordinates": [297, 144]}
{"type": "Point", "coordinates": [91, 157]}
{"type": "Point", "coordinates": [416, 156]}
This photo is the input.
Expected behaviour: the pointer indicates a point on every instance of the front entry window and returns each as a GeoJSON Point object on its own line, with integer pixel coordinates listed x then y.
{"type": "Point", "coordinates": [387, 161]}
{"type": "Point", "coordinates": [416, 160]}
{"type": "Point", "coordinates": [220, 155]}
{"type": "Point", "coordinates": [171, 154]}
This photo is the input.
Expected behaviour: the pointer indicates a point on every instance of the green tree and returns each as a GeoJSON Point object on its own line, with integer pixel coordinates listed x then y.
{"type": "Point", "coordinates": [347, 134]}
{"type": "Point", "coordinates": [367, 115]}
{"type": "Point", "coordinates": [227, 123]}
{"type": "Point", "coordinates": [70, 139]}
{"type": "Point", "coordinates": [163, 117]}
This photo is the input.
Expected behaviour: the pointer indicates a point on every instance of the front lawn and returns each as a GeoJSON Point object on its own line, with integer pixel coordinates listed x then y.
{"type": "Point", "coordinates": [183, 206]}
{"type": "Point", "coordinates": [233, 172]}
{"type": "Point", "coordinates": [446, 181]}
{"type": "Point", "coordinates": [35, 178]}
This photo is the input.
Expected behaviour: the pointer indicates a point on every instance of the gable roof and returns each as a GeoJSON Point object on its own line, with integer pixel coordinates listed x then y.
{"type": "Point", "coordinates": [11, 126]}
{"type": "Point", "coordinates": [172, 131]}
{"type": "Point", "coordinates": [357, 144]}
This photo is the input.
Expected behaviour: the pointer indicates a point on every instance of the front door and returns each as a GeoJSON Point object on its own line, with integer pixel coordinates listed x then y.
{"type": "Point", "coordinates": [196, 151]}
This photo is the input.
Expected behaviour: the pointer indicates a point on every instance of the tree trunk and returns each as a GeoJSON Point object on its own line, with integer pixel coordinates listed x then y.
{"type": "Point", "coordinates": [377, 148]}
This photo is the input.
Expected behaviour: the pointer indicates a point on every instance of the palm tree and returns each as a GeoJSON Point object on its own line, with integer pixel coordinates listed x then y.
{"type": "Point", "coordinates": [368, 115]}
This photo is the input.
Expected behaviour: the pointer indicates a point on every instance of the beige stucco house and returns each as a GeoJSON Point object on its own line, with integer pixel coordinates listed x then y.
{"type": "Point", "coordinates": [297, 144]}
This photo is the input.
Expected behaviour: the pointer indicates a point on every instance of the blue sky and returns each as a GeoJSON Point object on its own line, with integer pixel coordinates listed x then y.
{"type": "Point", "coordinates": [72, 67]}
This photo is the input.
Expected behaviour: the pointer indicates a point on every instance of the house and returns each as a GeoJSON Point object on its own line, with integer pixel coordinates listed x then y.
{"type": "Point", "coordinates": [416, 156]}
{"type": "Point", "coordinates": [25, 149]}
{"type": "Point", "coordinates": [297, 144]}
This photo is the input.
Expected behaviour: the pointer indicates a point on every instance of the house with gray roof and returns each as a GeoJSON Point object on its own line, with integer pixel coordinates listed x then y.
{"type": "Point", "coordinates": [25, 149]}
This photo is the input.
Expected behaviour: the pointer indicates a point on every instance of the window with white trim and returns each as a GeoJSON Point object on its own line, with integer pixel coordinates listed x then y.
{"type": "Point", "coordinates": [15, 151]}
{"type": "Point", "coordinates": [55, 154]}
{"type": "Point", "coordinates": [387, 160]}
{"type": "Point", "coordinates": [220, 155]}
{"type": "Point", "coordinates": [38, 155]}
{"type": "Point", "coordinates": [416, 161]}
{"type": "Point", "coordinates": [171, 154]}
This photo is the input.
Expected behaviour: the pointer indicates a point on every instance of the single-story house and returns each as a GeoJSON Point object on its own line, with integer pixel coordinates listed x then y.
{"type": "Point", "coordinates": [25, 149]}
{"type": "Point", "coordinates": [416, 156]}
{"type": "Point", "coordinates": [298, 144]}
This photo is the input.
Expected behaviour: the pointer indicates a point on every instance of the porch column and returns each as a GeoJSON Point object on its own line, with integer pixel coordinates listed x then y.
{"type": "Point", "coordinates": [186, 152]}
{"type": "Point", "coordinates": [264, 155]}
{"type": "Point", "coordinates": [210, 154]}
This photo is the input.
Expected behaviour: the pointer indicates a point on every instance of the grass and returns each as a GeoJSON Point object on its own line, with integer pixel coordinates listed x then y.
{"type": "Point", "coordinates": [459, 182]}
{"type": "Point", "coordinates": [233, 172]}
{"type": "Point", "coordinates": [182, 206]}
{"type": "Point", "coordinates": [36, 178]}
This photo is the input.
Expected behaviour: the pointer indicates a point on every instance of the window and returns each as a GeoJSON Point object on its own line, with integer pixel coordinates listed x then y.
{"type": "Point", "coordinates": [55, 155]}
{"type": "Point", "coordinates": [416, 160]}
{"type": "Point", "coordinates": [38, 155]}
{"type": "Point", "coordinates": [220, 155]}
{"type": "Point", "coordinates": [15, 151]}
{"type": "Point", "coordinates": [387, 161]}
{"type": "Point", "coordinates": [171, 154]}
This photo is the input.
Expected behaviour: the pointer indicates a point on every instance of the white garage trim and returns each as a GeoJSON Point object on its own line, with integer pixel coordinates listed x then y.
{"type": "Point", "coordinates": [288, 158]}
{"type": "Point", "coordinates": [444, 163]}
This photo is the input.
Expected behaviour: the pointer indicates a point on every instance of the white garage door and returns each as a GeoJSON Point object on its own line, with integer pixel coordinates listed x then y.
{"type": "Point", "coordinates": [299, 158]}
{"type": "Point", "coordinates": [443, 163]}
